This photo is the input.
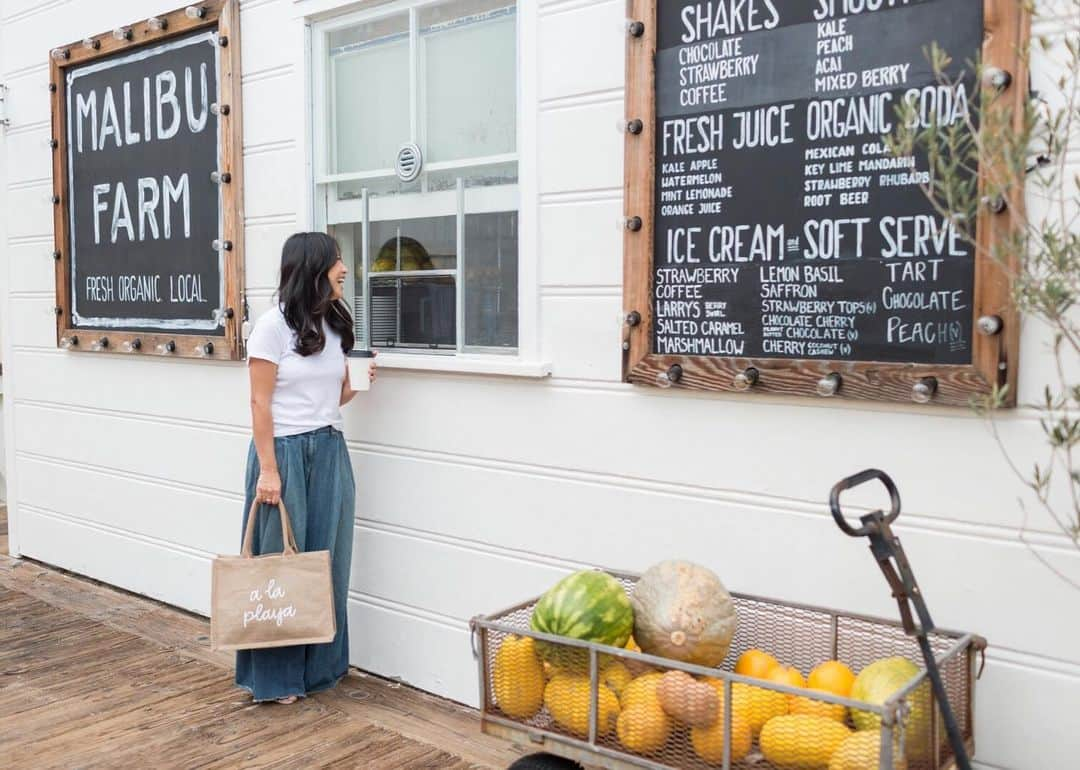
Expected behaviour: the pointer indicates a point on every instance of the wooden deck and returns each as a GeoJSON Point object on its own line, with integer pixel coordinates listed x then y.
{"type": "Point", "coordinates": [95, 677]}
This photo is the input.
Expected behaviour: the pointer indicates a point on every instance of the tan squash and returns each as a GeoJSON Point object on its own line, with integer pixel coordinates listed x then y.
{"type": "Point", "coordinates": [683, 611]}
{"type": "Point", "coordinates": [684, 698]}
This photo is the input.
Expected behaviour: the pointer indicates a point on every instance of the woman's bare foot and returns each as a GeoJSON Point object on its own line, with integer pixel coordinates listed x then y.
{"type": "Point", "coordinates": [289, 700]}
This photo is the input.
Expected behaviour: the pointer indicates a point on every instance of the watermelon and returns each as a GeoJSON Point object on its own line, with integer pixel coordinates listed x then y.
{"type": "Point", "coordinates": [589, 605]}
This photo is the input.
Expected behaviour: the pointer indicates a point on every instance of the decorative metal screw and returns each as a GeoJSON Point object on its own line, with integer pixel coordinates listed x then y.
{"type": "Point", "coordinates": [58, 310]}
{"type": "Point", "coordinates": [635, 126]}
{"type": "Point", "coordinates": [56, 255]}
{"type": "Point", "coordinates": [670, 377]}
{"type": "Point", "coordinates": [924, 390]}
{"type": "Point", "coordinates": [219, 109]}
{"type": "Point", "coordinates": [997, 78]}
{"type": "Point", "coordinates": [746, 379]}
{"type": "Point", "coordinates": [996, 203]}
{"type": "Point", "coordinates": [55, 199]}
{"type": "Point", "coordinates": [633, 318]}
{"type": "Point", "coordinates": [220, 177]}
{"type": "Point", "coordinates": [989, 325]}
{"type": "Point", "coordinates": [229, 312]}
{"type": "Point", "coordinates": [828, 385]}
{"type": "Point", "coordinates": [208, 349]}
{"type": "Point", "coordinates": [223, 41]}
{"type": "Point", "coordinates": [53, 143]}
{"type": "Point", "coordinates": [218, 245]}
{"type": "Point", "coordinates": [52, 88]}
{"type": "Point", "coordinates": [636, 28]}
{"type": "Point", "coordinates": [633, 224]}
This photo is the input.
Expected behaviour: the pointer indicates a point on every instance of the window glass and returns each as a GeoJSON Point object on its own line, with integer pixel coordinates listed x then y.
{"type": "Point", "coordinates": [491, 279]}
{"type": "Point", "coordinates": [468, 57]}
{"type": "Point", "coordinates": [369, 87]}
{"type": "Point", "coordinates": [429, 243]}
{"type": "Point", "coordinates": [474, 176]}
{"type": "Point", "coordinates": [448, 71]}
{"type": "Point", "coordinates": [386, 185]}
{"type": "Point", "coordinates": [414, 312]}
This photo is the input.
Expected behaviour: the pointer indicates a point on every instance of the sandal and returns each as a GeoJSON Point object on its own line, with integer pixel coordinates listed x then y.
{"type": "Point", "coordinates": [288, 700]}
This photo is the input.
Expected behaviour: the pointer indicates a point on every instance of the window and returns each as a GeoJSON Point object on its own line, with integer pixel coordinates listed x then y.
{"type": "Point", "coordinates": [435, 257]}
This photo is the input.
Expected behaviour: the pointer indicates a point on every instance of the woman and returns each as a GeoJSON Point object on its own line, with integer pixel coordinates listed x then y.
{"type": "Point", "coordinates": [299, 381]}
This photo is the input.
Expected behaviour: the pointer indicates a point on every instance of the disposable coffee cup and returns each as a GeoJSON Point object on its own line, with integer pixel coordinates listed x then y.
{"type": "Point", "coordinates": [360, 363]}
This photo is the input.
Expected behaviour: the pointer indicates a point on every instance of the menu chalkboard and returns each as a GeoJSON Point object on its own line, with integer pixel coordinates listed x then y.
{"type": "Point", "coordinates": [142, 140]}
{"type": "Point", "coordinates": [783, 225]}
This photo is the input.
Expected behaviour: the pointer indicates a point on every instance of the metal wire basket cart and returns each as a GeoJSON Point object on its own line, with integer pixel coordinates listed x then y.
{"type": "Point", "coordinates": [906, 729]}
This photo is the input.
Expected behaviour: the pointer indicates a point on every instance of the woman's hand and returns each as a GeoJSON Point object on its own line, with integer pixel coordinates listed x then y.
{"type": "Point", "coordinates": [268, 487]}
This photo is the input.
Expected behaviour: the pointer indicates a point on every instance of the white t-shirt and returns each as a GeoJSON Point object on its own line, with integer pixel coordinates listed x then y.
{"type": "Point", "coordinates": [307, 393]}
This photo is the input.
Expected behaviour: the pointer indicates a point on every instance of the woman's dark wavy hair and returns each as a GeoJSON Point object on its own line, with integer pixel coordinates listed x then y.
{"type": "Point", "coordinates": [306, 295]}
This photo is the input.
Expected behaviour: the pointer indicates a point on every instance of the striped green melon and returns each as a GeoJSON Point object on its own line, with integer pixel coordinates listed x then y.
{"type": "Point", "coordinates": [588, 605]}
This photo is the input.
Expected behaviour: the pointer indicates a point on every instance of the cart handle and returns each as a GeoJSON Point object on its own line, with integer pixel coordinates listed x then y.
{"type": "Point", "coordinates": [853, 481]}
{"type": "Point", "coordinates": [474, 638]}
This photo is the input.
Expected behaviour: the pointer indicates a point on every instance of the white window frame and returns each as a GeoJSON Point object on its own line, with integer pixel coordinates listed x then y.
{"type": "Point", "coordinates": [322, 16]}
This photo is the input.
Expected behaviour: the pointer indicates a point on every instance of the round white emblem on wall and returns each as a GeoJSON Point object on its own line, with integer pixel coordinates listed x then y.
{"type": "Point", "coordinates": [409, 162]}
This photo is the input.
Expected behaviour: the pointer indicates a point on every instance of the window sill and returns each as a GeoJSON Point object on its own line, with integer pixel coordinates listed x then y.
{"type": "Point", "coordinates": [501, 366]}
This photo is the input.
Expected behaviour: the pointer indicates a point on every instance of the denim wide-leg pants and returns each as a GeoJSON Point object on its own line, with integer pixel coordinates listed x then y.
{"type": "Point", "coordinates": [319, 492]}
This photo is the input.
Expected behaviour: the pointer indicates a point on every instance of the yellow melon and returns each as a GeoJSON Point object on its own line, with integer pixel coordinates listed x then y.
{"type": "Point", "coordinates": [644, 727]}
{"type": "Point", "coordinates": [799, 742]}
{"type": "Point", "coordinates": [518, 678]}
{"type": "Point", "coordinates": [567, 699]}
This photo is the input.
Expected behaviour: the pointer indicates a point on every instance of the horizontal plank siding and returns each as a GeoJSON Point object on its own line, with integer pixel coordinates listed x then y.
{"type": "Point", "coordinates": [475, 492]}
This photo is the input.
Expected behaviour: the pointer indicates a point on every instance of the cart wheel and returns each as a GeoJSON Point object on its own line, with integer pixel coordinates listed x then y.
{"type": "Point", "coordinates": [544, 762]}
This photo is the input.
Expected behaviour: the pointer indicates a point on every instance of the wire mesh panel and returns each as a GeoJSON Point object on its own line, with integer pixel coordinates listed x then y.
{"type": "Point", "coordinates": [621, 708]}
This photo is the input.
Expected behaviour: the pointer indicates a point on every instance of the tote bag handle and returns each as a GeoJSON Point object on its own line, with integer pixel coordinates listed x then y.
{"type": "Point", "coordinates": [286, 530]}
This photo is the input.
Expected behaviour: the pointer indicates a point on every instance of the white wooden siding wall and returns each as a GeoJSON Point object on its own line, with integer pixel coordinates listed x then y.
{"type": "Point", "coordinates": [476, 492]}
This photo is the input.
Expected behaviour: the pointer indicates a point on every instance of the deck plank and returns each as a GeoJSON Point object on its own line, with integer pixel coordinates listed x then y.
{"type": "Point", "coordinates": [421, 716]}
{"type": "Point", "coordinates": [92, 676]}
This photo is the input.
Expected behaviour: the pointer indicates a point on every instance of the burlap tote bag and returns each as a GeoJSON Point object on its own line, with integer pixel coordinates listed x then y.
{"type": "Point", "coordinates": [274, 600]}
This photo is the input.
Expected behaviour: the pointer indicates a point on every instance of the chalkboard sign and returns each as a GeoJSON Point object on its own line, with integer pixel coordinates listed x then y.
{"type": "Point", "coordinates": [150, 233]}
{"type": "Point", "coordinates": [786, 238]}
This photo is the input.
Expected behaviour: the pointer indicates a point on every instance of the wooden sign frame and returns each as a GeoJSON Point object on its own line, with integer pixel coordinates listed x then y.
{"type": "Point", "coordinates": [224, 16]}
{"type": "Point", "coordinates": [994, 356]}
